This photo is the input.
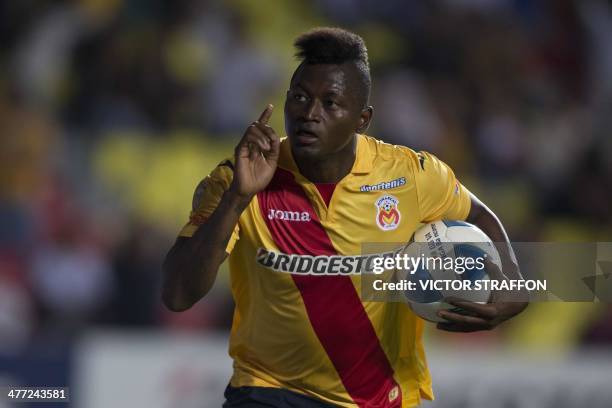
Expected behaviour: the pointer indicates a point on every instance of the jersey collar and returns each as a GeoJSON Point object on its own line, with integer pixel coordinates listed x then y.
{"type": "Point", "coordinates": [363, 157]}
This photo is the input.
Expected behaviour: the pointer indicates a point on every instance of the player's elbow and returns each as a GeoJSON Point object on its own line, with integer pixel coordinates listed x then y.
{"type": "Point", "coordinates": [175, 303]}
{"type": "Point", "coordinates": [184, 284]}
{"type": "Point", "coordinates": [173, 296]}
{"type": "Point", "coordinates": [176, 306]}
{"type": "Point", "coordinates": [178, 294]}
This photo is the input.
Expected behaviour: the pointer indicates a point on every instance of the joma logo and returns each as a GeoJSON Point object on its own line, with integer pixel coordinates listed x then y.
{"type": "Point", "coordinates": [288, 215]}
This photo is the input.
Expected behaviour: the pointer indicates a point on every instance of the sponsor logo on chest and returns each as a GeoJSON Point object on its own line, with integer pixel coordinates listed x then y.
{"type": "Point", "coordinates": [320, 264]}
{"type": "Point", "coordinates": [384, 185]}
{"type": "Point", "coordinates": [286, 215]}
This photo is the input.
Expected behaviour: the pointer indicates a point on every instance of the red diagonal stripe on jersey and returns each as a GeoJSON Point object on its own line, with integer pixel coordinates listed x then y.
{"type": "Point", "coordinates": [332, 303]}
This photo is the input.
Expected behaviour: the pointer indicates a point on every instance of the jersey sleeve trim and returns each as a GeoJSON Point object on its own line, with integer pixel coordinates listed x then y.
{"type": "Point", "coordinates": [207, 196]}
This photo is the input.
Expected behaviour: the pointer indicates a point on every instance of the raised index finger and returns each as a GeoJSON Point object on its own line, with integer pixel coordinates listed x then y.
{"type": "Point", "coordinates": [265, 115]}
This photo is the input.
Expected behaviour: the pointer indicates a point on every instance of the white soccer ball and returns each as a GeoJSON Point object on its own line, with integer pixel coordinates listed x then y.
{"type": "Point", "coordinates": [444, 247]}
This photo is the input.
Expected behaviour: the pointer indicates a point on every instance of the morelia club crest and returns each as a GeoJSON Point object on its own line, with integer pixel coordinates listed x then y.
{"type": "Point", "coordinates": [388, 215]}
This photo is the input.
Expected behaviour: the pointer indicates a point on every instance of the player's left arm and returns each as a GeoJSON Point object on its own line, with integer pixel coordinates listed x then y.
{"type": "Point", "coordinates": [504, 305]}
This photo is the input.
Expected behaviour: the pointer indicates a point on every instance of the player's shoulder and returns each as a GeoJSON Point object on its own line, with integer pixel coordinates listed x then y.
{"type": "Point", "coordinates": [222, 175]}
{"type": "Point", "coordinates": [385, 155]}
{"type": "Point", "coordinates": [225, 166]}
{"type": "Point", "coordinates": [223, 171]}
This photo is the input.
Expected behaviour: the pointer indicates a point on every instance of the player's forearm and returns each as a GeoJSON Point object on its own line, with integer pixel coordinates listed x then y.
{"type": "Point", "coordinates": [191, 266]}
{"type": "Point", "coordinates": [481, 216]}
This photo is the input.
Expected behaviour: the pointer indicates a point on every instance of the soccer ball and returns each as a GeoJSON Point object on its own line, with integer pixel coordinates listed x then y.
{"type": "Point", "coordinates": [444, 270]}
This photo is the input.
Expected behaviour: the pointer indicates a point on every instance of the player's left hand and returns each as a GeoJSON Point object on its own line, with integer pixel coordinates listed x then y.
{"type": "Point", "coordinates": [478, 316]}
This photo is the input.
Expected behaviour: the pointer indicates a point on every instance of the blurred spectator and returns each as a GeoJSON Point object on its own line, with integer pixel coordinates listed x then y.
{"type": "Point", "coordinates": [17, 319]}
{"type": "Point", "coordinates": [71, 281]}
{"type": "Point", "coordinates": [137, 273]}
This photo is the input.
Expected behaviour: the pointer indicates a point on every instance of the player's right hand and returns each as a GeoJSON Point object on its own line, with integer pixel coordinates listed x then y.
{"type": "Point", "coordinates": [256, 157]}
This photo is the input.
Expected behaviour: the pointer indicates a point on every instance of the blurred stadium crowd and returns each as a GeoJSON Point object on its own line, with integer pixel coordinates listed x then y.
{"type": "Point", "coordinates": [111, 111]}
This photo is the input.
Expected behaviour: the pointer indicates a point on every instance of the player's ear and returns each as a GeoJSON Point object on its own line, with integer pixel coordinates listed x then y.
{"type": "Point", "coordinates": [364, 119]}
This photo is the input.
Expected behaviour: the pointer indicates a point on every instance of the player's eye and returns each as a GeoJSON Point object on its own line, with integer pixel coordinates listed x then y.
{"type": "Point", "coordinates": [298, 97]}
{"type": "Point", "coordinates": [330, 103]}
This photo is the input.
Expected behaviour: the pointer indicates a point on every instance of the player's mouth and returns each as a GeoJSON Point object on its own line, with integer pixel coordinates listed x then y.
{"type": "Point", "coordinates": [306, 137]}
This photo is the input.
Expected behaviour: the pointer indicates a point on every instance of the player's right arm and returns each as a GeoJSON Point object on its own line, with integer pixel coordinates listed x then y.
{"type": "Point", "coordinates": [191, 265]}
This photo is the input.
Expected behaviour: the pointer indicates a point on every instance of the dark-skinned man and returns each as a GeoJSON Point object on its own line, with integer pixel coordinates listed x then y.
{"type": "Point", "coordinates": [292, 215]}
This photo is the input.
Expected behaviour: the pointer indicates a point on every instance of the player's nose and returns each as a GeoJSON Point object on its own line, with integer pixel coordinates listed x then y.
{"type": "Point", "coordinates": [312, 111]}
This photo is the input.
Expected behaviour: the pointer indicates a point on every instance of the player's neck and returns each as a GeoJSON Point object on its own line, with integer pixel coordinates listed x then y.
{"type": "Point", "coordinates": [329, 168]}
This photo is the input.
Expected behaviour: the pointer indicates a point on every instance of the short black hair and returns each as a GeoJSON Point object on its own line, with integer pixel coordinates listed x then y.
{"type": "Point", "coordinates": [333, 45]}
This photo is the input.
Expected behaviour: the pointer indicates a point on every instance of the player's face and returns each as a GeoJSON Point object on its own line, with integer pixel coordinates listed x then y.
{"type": "Point", "coordinates": [323, 110]}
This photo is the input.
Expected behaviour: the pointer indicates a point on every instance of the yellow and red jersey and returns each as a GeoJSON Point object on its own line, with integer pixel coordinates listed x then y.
{"type": "Point", "coordinates": [299, 322]}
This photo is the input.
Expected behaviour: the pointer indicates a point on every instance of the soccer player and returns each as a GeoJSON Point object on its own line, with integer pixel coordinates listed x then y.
{"type": "Point", "coordinates": [292, 214]}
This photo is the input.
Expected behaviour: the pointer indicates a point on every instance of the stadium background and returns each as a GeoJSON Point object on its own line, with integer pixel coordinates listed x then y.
{"type": "Point", "coordinates": [111, 111]}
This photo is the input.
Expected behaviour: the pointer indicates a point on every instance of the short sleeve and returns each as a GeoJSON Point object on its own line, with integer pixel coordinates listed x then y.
{"type": "Point", "coordinates": [206, 199]}
{"type": "Point", "coordinates": [440, 195]}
